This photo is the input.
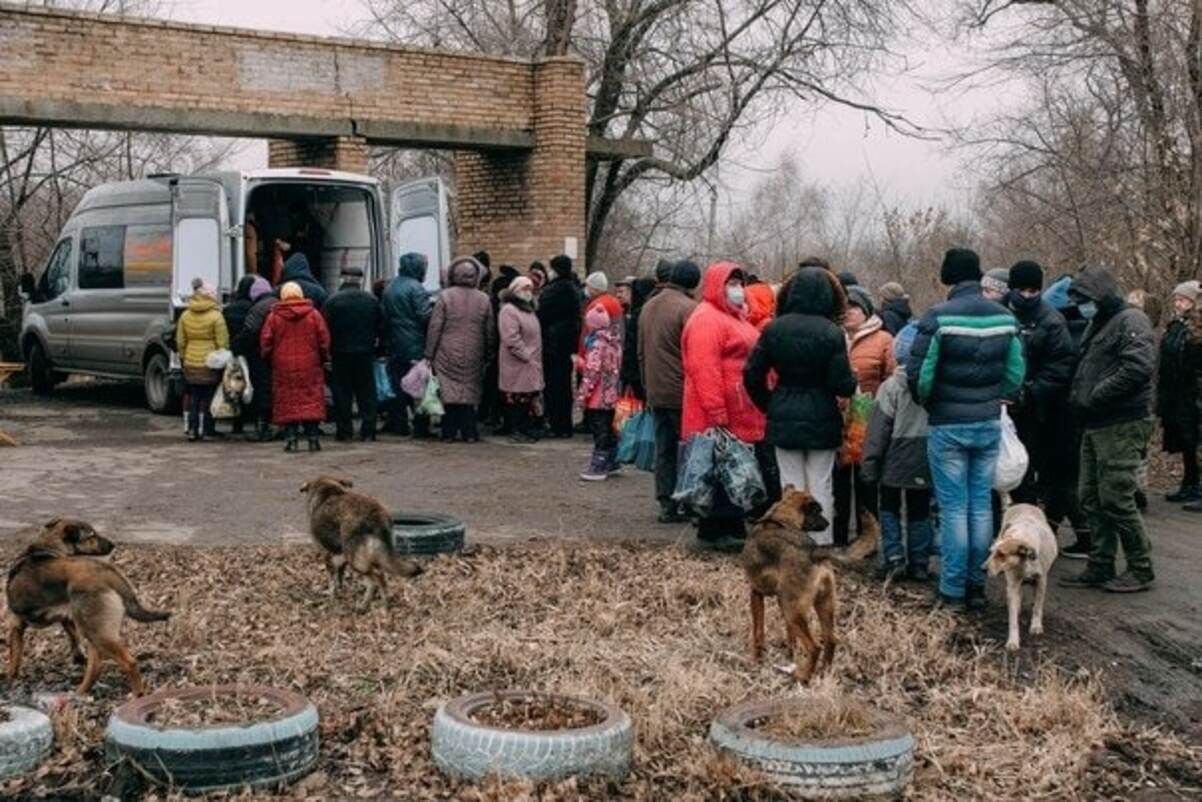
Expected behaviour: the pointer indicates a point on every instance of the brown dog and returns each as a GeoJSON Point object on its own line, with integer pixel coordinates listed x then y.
{"type": "Point", "coordinates": [58, 580]}
{"type": "Point", "coordinates": [782, 561]}
{"type": "Point", "coordinates": [354, 530]}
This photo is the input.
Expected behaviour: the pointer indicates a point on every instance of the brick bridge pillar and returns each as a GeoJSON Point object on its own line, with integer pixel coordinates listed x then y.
{"type": "Point", "coordinates": [347, 153]}
{"type": "Point", "coordinates": [526, 206]}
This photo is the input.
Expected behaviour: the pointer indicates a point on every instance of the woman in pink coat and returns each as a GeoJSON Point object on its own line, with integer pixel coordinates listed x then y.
{"type": "Point", "coordinates": [520, 378]}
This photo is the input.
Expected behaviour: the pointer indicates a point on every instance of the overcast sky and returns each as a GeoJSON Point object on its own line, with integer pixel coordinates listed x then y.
{"type": "Point", "coordinates": [835, 146]}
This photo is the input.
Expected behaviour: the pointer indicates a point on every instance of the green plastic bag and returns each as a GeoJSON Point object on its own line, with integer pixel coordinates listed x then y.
{"type": "Point", "coordinates": [855, 429]}
{"type": "Point", "coordinates": [431, 403]}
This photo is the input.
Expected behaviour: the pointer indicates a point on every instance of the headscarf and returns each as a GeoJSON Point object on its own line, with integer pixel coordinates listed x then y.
{"type": "Point", "coordinates": [291, 291]}
{"type": "Point", "coordinates": [258, 288]}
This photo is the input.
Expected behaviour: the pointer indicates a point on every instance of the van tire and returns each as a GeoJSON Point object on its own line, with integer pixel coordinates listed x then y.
{"type": "Point", "coordinates": [42, 377]}
{"type": "Point", "coordinates": [161, 397]}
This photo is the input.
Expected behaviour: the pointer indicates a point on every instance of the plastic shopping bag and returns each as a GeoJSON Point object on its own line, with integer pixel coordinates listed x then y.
{"type": "Point", "coordinates": [628, 406]}
{"type": "Point", "coordinates": [637, 443]}
{"type": "Point", "coordinates": [218, 359]}
{"type": "Point", "coordinates": [738, 471]}
{"type": "Point", "coordinates": [384, 391]}
{"type": "Point", "coordinates": [431, 403]}
{"type": "Point", "coordinates": [248, 392]}
{"type": "Point", "coordinates": [415, 382]}
{"type": "Point", "coordinates": [855, 429]}
{"type": "Point", "coordinates": [1012, 458]}
{"type": "Point", "coordinates": [695, 475]}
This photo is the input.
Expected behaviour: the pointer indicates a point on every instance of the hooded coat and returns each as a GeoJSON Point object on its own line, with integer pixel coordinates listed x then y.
{"type": "Point", "coordinates": [521, 352]}
{"type": "Point", "coordinates": [895, 314]}
{"type": "Point", "coordinates": [1113, 380]}
{"type": "Point", "coordinates": [871, 349]}
{"type": "Point", "coordinates": [296, 342]}
{"type": "Point", "coordinates": [235, 311]}
{"type": "Point", "coordinates": [714, 348]}
{"type": "Point", "coordinates": [602, 362]}
{"type": "Point", "coordinates": [406, 312]}
{"type": "Point", "coordinates": [297, 269]}
{"type": "Point", "coordinates": [462, 335]}
{"type": "Point", "coordinates": [761, 305]}
{"type": "Point", "coordinates": [808, 352]}
{"type": "Point", "coordinates": [201, 330]}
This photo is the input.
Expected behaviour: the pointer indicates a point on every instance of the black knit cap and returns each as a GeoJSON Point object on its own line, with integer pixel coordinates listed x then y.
{"type": "Point", "coordinates": [562, 264]}
{"type": "Point", "coordinates": [685, 274]}
{"type": "Point", "coordinates": [960, 264]}
{"type": "Point", "coordinates": [848, 279]}
{"type": "Point", "coordinates": [1026, 275]}
{"type": "Point", "coordinates": [663, 271]}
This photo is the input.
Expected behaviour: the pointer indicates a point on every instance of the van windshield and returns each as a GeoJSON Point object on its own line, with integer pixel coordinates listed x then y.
{"type": "Point", "coordinates": [330, 224]}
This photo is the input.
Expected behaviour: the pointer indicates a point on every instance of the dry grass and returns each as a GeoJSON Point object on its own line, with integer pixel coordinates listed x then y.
{"type": "Point", "coordinates": [214, 710]}
{"type": "Point", "coordinates": [839, 716]}
{"type": "Point", "coordinates": [654, 629]}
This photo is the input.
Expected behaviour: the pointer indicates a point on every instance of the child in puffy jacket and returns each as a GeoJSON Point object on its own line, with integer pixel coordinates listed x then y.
{"type": "Point", "coordinates": [597, 393]}
{"type": "Point", "coordinates": [896, 457]}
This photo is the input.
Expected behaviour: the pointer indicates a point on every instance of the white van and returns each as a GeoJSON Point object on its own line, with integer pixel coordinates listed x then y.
{"type": "Point", "coordinates": [122, 268]}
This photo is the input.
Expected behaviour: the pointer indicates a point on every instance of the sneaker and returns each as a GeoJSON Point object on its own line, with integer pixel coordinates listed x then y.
{"type": "Point", "coordinates": [1185, 493]}
{"type": "Point", "coordinates": [590, 475]}
{"type": "Point", "coordinates": [974, 598]}
{"type": "Point", "coordinates": [1089, 578]}
{"type": "Point", "coordinates": [1079, 550]}
{"type": "Point", "coordinates": [1128, 582]}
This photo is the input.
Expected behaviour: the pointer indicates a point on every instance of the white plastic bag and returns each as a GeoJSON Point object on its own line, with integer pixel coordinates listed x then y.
{"type": "Point", "coordinates": [1012, 458]}
{"type": "Point", "coordinates": [248, 394]}
{"type": "Point", "coordinates": [217, 360]}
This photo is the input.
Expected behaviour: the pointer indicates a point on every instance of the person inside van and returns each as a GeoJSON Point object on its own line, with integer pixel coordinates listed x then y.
{"type": "Point", "coordinates": [201, 331]}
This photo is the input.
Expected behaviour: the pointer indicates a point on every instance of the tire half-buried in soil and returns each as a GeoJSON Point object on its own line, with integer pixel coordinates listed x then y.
{"type": "Point", "coordinates": [425, 534]}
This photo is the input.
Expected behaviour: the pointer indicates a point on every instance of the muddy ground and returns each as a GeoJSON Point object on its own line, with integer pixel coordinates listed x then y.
{"type": "Point", "coordinates": [93, 451]}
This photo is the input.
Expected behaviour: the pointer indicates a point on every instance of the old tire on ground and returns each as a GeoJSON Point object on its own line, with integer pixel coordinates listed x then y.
{"type": "Point", "coordinates": [879, 764]}
{"type": "Point", "coordinates": [25, 739]}
{"type": "Point", "coordinates": [262, 755]}
{"type": "Point", "coordinates": [465, 749]}
{"type": "Point", "coordinates": [424, 534]}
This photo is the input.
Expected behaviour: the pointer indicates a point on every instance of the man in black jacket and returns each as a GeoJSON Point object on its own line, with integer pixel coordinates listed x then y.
{"type": "Point", "coordinates": [1110, 395]}
{"type": "Point", "coordinates": [559, 318]}
{"type": "Point", "coordinates": [353, 316]}
{"type": "Point", "coordinates": [1040, 412]}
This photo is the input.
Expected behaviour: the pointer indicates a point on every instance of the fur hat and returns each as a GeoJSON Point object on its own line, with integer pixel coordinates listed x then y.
{"type": "Point", "coordinates": [960, 264]}
{"type": "Point", "coordinates": [597, 282]}
{"type": "Point", "coordinates": [1189, 290]}
{"type": "Point", "coordinates": [858, 296]}
{"type": "Point", "coordinates": [892, 291]}
{"type": "Point", "coordinates": [291, 291]}
{"type": "Point", "coordinates": [997, 280]}
{"type": "Point", "coordinates": [1026, 275]}
{"type": "Point", "coordinates": [685, 274]}
{"type": "Point", "coordinates": [519, 285]}
{"type": "Point", "coordinates": [259, 288]}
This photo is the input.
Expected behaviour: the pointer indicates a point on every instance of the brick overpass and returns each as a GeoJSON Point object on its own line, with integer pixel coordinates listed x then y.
{"type": "Point", "coordinates": [517, 126]}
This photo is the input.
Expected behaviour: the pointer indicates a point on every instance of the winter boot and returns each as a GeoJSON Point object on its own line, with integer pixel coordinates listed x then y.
{"type": "Point", "coordinates": [1079, 549]}
{"type": "Point", "coordinates": [192, 427]}
{"type": "Point", "coordinates": [597, 469]}
{"type": "Point", "coordinates": [891, 547]}
{"type": "Point", "coordinates": [1092, 577]}
{"type": "Point", "coordinates": [919, 536]}
{"type": "Point", "coordinates": [290, 437]}
{"type": "Point", "coordinates": [517, 416]}
{"type": "Point", "coordinates": [313, 433]}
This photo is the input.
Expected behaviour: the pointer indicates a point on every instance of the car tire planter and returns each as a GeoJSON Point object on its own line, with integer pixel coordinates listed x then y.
{"type": "Point", "coordinates": [465, 749]}
{"type": "Point", "coordinates": [881, 763]}
{"type": "Point", "coordinates": [425, 534]}
{"type": "Point", "coordinates": [25, 739]}
{"type": "Point", "coordinates": [258, 755]}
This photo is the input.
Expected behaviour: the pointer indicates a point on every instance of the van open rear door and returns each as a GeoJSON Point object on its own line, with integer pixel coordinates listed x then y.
{"type": "Point", "coordinates": [200, 247]}
{"type": "Point", "coordinates": [421, 222]}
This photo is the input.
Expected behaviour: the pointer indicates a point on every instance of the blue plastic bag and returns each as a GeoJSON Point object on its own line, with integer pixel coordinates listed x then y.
{"type": "Point", "coordinates": [695, 475]}
{"type": "Point", "coordinates": [637, 443]}
{"type": "Point", "coordinates": [384, 391]}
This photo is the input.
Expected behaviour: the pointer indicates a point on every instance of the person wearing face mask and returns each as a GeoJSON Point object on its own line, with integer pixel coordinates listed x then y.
{"type": "Point", "coordinates": [1040, 409]}
{"type": "Point", "coordinates": [1177, 393]}
{"type": "Point", "coordinates": [520, 374]}
{"type": "Point", "coordinates": [1110, 394]}
{"type": "Point", "coordinates": [715, 345]}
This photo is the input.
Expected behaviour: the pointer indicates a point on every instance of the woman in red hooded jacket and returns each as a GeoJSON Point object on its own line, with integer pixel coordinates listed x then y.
{"type": "Point", "coordinates": [296, 343]}
{"type": "Point", "coordinates": [714, 345]}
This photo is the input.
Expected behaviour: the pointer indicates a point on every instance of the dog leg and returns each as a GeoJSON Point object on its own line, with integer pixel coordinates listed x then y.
{"type": "Point", "coordinates": [118, 652]}
{"type": "Point", "coordinates": [332, 572]}
{"type": "Point", "coordinates": [825, 604]}
{"type": "Point", "coordinates": [16, 646]}
{"type": "Point", "coordinates": [1014, 600]}
{"type": "Point", "coordinates": [91, 672]}
{"type": "Point", "coordinates": [802, 626]}
{"type": "Point", "coordinates": [1041, 589]}
{"type": "Point", "coordinates": [757, 626]}
{"type": "Point", "coordinates": [77, 654]}
{"type": "Point", "coordinates": [381, 584]}
{"type": "Point", "coordinates": [365, 604]}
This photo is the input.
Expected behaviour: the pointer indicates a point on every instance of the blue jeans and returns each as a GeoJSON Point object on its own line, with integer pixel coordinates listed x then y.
{"type": "Point", "coordinates": [962, 457]}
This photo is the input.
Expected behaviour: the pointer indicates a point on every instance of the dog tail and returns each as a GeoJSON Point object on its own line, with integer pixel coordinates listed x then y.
{"type": "Point", "coordinates": [133, 607]}
{"type": "Point", "coordinates": [402, 567]}
{"type": "Point", "coordinates": [860, 550]}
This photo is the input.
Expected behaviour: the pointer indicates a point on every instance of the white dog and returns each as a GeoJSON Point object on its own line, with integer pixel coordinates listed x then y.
{"type": "Point", "coordinates": [1024, 551]}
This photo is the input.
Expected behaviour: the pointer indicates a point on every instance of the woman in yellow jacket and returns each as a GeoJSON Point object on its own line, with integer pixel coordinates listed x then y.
{"type": "Point", "coordinates": [200, 331]}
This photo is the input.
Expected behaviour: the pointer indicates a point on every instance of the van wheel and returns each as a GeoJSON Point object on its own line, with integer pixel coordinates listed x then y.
{"type": "Point", "coordinates": [156, 381]}
{"type": "Point", "coordinates": [42, 376]}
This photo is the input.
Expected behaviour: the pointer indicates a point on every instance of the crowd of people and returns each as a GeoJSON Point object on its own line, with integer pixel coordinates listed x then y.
{"type": "Point", "coordinates": [1074, 365]}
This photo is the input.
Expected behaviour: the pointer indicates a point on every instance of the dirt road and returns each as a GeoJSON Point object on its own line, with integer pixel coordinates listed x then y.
{"type": "Point", "coordinates": [93, 451]}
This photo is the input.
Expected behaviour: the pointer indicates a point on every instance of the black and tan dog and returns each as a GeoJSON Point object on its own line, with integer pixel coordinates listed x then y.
{"type": "Point", "coordinates": [355, 530]}
{"type": "Point", "coordinates": [782, 561]}
{"type": "Point", "coordinates": [58, 579]}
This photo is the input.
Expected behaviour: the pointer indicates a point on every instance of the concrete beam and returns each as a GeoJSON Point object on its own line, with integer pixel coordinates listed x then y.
{"type": "Point", "coordinates": [604, 149]}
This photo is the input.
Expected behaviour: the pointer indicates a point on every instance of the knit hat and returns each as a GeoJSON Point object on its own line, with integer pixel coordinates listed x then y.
{"type": "Point", "coordinates": [1189, 290]}
{"type": "Point", "coordinates": [1026, 275]}
{"type": "Point", "coordinates": [848, 279]}
{"type": "Point", "coordinates": [960, 264]}
{"type": "Point", "coordinates": [891, 291]}
{"type": "Point", "coordinates": [596, 319]}
{"type": "Point", "coordinates": [291, 291]}
{"type": "Point", "coordinates": [858, 296]}
{"type": "Point", "coordinates": [663, 271]}
{"type": "Point", "coordinates": [562, 265]}
{"type": "Point", "coordinates": [904, 341]}
{"type": "Point", "coordinates": [997, 280]}
{"type": "Point", "coordinates": [597, 282]}
{"type": "Point", "coordinates": [520, 284]}
{"type": "Point", "coordinates": [259, 288]}
{"type": "Point", "coordinates": [685, 274]}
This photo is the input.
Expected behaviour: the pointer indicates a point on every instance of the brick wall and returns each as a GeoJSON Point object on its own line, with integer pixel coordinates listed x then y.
{"type": "Point", "coordinates": [348, 153]}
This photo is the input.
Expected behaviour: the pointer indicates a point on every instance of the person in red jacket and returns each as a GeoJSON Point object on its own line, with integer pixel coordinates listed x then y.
{"type": "Point", "coordinates": [296, 342]}
{"type": "Point", "coordinates": [714, 345]}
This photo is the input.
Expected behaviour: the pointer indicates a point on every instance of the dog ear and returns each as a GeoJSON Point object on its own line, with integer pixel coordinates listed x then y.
{"type": "Point", "coordinates": [993, 565]}
{"type": "Point", "coordinates": [53, 522]}
{"type": "Point", "coordinates": [305, 487]}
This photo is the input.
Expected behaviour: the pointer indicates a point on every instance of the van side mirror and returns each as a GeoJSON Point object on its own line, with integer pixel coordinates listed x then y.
{"type": "Point", "coordinates": [28, 285]}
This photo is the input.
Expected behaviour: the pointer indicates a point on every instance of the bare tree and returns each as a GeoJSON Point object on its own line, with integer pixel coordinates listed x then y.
{"type": "Point", "coordinates": [686, 74]}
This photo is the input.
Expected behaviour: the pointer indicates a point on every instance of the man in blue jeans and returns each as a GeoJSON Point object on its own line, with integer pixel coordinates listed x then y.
{"type": "Point", "coordinates": [966, 359]}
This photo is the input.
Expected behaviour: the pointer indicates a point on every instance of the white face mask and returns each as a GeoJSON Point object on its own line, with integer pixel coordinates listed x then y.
{"type": "Point", "coordinates": [735, 295]}
{"type": "Point", "coordinates": [525, 295]}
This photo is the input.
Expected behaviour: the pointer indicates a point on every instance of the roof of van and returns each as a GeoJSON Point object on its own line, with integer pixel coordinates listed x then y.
{"type": "Point", "coordinates": [126, 193]}
{"type": "Point", "coordinates": [309, 173]}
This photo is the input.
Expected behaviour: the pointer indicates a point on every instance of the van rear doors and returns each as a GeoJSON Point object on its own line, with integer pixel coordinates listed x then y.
{"type": "Point", "coordinates": [420, 212]}
{"type": "Point", "coordinates": [200, 247]}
